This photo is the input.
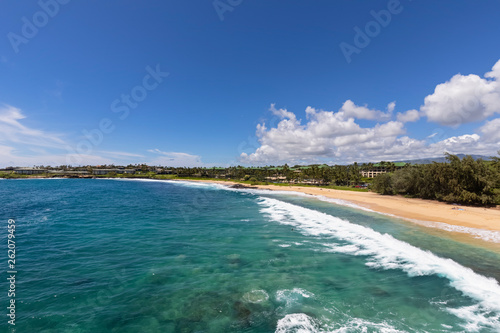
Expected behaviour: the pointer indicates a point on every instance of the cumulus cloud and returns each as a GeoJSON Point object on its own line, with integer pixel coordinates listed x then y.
{"type": "Point", "coordinates": [495, 72]}
{"type": "Point", "coordinates": [491, 131]}
{"type": "Point", "coordinates": [326, 134]}
{"type": "Point", "coordinates": [463, 144]}
{"type": "Point", "coordinates": [391, 106]}
{"type": "Point", "coordinates": [338, 136]}
{"type": "Point", "coordinates": [333, 136]}
{"type": "Point", "coordinates": [349, 109]}
{"type": "Point", "coordinates": [464, 99]}
{"type": "Point", "coordinates": [408, 116]}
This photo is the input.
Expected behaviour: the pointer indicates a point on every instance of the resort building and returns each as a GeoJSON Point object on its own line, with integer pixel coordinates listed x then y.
{"type": "Point", "coordinates": [68, 172]}
{"type": "Point", "coordinates": [379, 168]}
{"type": "Point", "coordinates": [106, 171]}
{"type": "Point", "coordinates": [29, 171]}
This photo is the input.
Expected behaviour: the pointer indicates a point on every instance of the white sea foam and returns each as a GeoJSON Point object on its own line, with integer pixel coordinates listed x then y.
{"type": "Point", "coordinates": [296, 323]}
{"type": "Point", "coordinates": [361, 325]}
{"type": "Point", "coordinates": [291, 296]}
{"type": "Point", "coordinates": [255, 296]}
{"type": "Point", "coordinates": [385, 252]}
{"type": "Point", "coordinates": [486, 235]}
{"type": "Point", "coordinates": [302, 323]}
{"type": "Point", "coordinates": [213, 186]}
{"type": "Point", "coordinates": [185, 183]}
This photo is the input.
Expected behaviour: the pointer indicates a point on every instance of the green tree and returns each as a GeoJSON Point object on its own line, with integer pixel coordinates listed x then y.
{"type": "Point", "coordinates": [383, 184]}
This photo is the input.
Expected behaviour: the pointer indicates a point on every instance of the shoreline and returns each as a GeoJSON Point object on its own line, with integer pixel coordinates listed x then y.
{"type": "Point", "coordinates": [428, 213]}
{"type": "Point", "coordinates": [467, 224]}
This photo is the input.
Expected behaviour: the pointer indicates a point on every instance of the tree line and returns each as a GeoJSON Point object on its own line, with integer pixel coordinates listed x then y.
{"type": "Point", "coordinates": [341, 175]}
{"type": "Point", "coordinates": [463, 181]}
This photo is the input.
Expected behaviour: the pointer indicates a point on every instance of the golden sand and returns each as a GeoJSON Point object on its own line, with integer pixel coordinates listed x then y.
{"type": "Point", "coordinates": [414, 209]}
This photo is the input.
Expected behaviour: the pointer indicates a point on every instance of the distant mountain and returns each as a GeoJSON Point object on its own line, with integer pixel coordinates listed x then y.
{"type": "Point", "coordinates": [442, 159]}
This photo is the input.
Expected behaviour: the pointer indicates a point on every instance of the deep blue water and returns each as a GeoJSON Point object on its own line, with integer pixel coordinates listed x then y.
{"type": "Point", "coordinates": [154, 256]}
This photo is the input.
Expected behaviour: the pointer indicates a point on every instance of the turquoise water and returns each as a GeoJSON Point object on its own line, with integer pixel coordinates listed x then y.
{"type": "Point", "coordinates": [153, 256]}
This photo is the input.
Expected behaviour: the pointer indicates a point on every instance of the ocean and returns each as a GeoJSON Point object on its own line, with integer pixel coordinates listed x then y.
{"type": "Point", "coordinates": [110, 255]}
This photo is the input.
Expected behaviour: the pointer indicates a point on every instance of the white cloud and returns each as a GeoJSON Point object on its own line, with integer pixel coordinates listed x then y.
{"type": "Point", "coordinates": [391, 106]}
{"type": "Point", "coordinates": [12, 130]}
{"type": "Point", "coordinates": [495, 72]}
{"type": "Point", "coordinates": [463, 144]}
{"type": "Point", "coordinates": [458, 143]}
{"type": "Point", "coordinates": [408, 116]}
{"type": "Point", "coordinates": [338, 135]}
{"type": "Point", "coordinates": [329, 135]}
{"type": "Point", "coordinates": [120, 154]}
{"type": "Point", "coordinates": [350, 109]}
{"type": "Point", "coordinates": [282, 113]}
{"type": "Point", "coordinates": [11, 156]}
{"type": "Point", "coordinates": [175, 159]}
{"type": "Point", "coordinates": [326, 134]}
{"type": "Point", "coordinates": [21, 145]}
{"type": "Point", "coordinates": [464, 99]}
{"type": "Point", "coordinates": [491, 131]}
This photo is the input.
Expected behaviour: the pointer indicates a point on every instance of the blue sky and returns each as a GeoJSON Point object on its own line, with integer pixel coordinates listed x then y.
{"type": "Point", "coordinates": [249, 82]}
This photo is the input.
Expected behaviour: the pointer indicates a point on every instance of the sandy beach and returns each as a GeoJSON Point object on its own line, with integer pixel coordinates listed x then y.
{"type": "Point", "coordinates": [406, 208]}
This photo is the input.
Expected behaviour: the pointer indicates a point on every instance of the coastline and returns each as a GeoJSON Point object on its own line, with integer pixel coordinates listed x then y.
{"type": "Point", "coordinates": [465, 223]}
{"type": "Point", "coordinates": [423, 212]}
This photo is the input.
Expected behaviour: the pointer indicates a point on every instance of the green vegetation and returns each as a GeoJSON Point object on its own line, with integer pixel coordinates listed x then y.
{"type": "Point", "coordinates": [465, 181]}
{"type": "Point", "coordinates": [11, 175]}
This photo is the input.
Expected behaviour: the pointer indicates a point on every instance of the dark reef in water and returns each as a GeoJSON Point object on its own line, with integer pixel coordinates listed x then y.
{"type": "Point", "coordinates": [242, 186]}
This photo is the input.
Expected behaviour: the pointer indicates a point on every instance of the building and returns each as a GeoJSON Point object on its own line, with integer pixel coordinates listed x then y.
{"type": "Point", "coordinates": [29, 171]}
{"type": "Point", "coordinates": [277, 179]}
{"type": "Point", "coordinates": [162, 171]}
{"type": "Point", "coordinates": [118, 171]}
{"type": "Point", "coordinates": [379, 168]}
{"type": "Point", "coordinates": [68, 172]}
